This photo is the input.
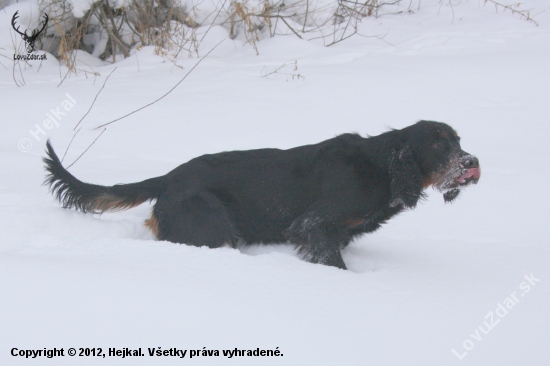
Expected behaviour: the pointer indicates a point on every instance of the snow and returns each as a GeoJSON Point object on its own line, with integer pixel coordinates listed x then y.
{"type": "Point", "coordinates": [416, 289]}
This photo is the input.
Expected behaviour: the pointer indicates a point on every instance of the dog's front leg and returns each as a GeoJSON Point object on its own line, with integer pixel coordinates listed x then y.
{"type": "Point", "coordinates": [318, 240]}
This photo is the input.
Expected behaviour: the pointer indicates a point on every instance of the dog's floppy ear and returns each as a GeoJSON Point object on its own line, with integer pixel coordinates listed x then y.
{"type": "Point", "coordinates": [406, 178]}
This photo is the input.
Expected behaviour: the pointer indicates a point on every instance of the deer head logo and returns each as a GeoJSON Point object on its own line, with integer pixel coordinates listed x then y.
{"type": "Point", "coordinates": [29, 40]}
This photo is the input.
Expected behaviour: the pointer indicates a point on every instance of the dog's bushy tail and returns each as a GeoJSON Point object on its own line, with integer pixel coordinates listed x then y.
{"type": "Point", "coordinates": [85, 197]}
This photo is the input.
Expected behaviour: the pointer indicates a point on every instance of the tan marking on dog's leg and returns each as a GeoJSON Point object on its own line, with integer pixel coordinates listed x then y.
{"type": "Point", "coordinates": [153, 225]}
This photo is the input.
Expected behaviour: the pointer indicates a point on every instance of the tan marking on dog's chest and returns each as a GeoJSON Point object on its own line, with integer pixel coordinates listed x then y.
{"type": "Point", "coordinates": [428, 182]}
{"type": "Point", "coordinates": [353, 223]}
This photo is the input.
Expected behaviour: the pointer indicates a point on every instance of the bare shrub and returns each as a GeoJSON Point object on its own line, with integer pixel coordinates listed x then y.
{"type": "Point", "coordinates": [108, 32]}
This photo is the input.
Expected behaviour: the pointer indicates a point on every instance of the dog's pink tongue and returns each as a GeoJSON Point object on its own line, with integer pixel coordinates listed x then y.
{"type": "Point", "coordinates": [471, 173]}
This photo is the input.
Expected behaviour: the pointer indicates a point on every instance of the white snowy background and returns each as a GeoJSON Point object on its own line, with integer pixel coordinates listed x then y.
{"type": "Point", "coordinates": [416, 289]}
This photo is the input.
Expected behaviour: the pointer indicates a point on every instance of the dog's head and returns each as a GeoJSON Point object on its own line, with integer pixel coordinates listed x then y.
{"type": "Point", "coordinates": [432, 156]}
{"type": "Point", "coordinates": [445, 165]}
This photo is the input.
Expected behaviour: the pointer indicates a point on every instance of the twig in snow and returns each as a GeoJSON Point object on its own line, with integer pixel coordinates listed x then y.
{"type": "Point", "coordinates": [288, 63]}
{"type": "Point", "coordinates": [63, 158]}
{"type": "Point", "coordinates": [522, 13]}
{"type": "Point", "coordinates": [171, 90]}
{"type": "Point", "coordinates": [105, 82]}
{"type": "Point", "coordinates": [86, 149]}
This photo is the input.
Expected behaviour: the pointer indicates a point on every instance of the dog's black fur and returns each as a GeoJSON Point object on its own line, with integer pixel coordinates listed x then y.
{"type": "Point", "coordinates": [317, 197]}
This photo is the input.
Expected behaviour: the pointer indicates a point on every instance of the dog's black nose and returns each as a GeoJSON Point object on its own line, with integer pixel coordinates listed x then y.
{"type": "Point", "coordinates": [470, 162]}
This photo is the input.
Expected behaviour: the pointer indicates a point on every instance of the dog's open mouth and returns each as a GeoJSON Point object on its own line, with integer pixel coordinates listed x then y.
{"type": "Point", "coordinates": [470, 176]}
{"type": "Point", "coordinates": [453, 188]}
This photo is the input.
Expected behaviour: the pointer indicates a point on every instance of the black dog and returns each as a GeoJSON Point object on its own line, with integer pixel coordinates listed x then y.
{"type": "Point", "coordinates": [317, 197]}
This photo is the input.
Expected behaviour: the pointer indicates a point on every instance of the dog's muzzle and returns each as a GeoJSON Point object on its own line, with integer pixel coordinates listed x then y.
{"type": "Point", "coordinates": [471, 171]}
{"type": "Point", "coordinates": [464, 171]}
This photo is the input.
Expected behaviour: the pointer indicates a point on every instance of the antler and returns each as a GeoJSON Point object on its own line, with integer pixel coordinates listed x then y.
{"type": "Point", "coordinates": [29, 40]}
{"type": "Point", "coordinates": [15, 16]}
{"type": "Point", "coordinates": [36, 32]}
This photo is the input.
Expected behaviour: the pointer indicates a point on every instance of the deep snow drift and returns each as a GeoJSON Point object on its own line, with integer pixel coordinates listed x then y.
{"type": "Point", "coordinates": [422, 286]}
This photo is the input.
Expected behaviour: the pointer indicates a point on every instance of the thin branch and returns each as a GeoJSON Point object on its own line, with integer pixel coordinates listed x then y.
{"type": "Point", "coordinates": [305, 19]}
{"type": "Point", "coordinates": [64, 77]}
{"type": "Point", "coordinates": [112, 31]}
{"type": "Point", "coordinates": [276, 71]}
{"type": "Point", "coordinates": [213, 21]}
{"type": "Point", "coordinates": [174, 87]}
{"type": "Point", "coordinates": [292, 29]}
{"type": "Point", "coordinates": [105, 82]}
{"type": "Point", "coordinates": [87, 149]}
{"type": "Point", "coordinates": [63, 158]}
{"type": "Point", "coordinates": [342, 38]}
{"type": "Point", "coordinates": [522, 13]}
